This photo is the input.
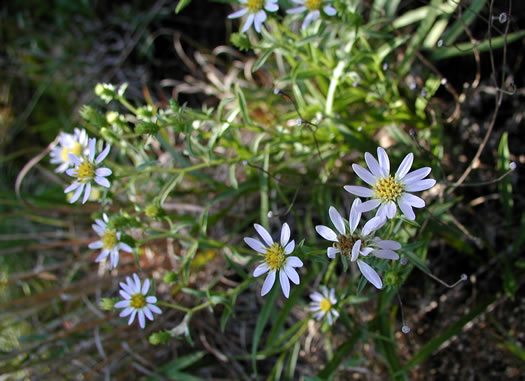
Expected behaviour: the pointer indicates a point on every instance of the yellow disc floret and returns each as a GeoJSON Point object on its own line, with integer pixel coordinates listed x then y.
{"type": "Point", "coordinates": [85, 171]}
{"type": "Point", "coordinates": [274, 257]}
{"type": "Point", "coordinates": [75, 150]}
{"type": "Point", "coordinates": [388, 189]}
{"type": "Point", "coordinates": [255, 5]}
{"type": "Point", "coordinates": [109, 240]}
{"type": "Point", "coordinates": [313, 5]}
{"type": "Point", "coordinates": [138, 301]}
{"type": "Point", "coordinates": [325, 305]}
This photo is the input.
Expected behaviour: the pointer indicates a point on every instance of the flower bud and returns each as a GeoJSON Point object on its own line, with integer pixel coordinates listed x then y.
{"type": "Point", "coordinates": [90, 115]}
{"type": "Point", "coordinates": [161, 337]}
{"type": "Point", "coordinates": [107, 304]}
{"type": "Point", "coordinates": [106, 92]}
{"type": "Point", "coordinates": [391, 278]}
{"type": "Point", "coordinates": [153, 211]}
{"type": "Point", "coordinates": [147, 128]}
{"type": "Point", "coordinates": [170, 277]}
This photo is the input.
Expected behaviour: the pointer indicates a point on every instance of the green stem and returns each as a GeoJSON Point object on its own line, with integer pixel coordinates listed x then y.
{"type": "Point", "coordinates": [128, 105]}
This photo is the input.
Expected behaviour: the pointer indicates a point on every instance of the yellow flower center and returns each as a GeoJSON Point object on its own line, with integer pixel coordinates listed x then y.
{"type": "Point", "coordinates": [313, 5]}
{"type": "Point", "coordinates": [325, 305]}
{"type": "Point", "coordinates": [138, 301]}
{"type": "Point", "coordinates": [109, 240]}
{"type": "Point", "coordinates": [388, 189]}
{"type": "Point", "coordinates": [85, 171]}
{"type": "Point", "coordinates": [75, 150]}
{"type": "Point", "coordinates": [345, 243]}
{"type": "Point", "coordinates": [274, 257]}
{"type": "Point", "coordinates": [255, 5]}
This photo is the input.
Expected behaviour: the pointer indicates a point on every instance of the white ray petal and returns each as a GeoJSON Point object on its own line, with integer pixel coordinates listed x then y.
{"type": "Point", "coordinates": [370, 274]}
{"type": "Point", "coordinates": [405, 165]}
{"type": "Point", "coordinates": [364, 174]}
{"type": "Point", "coordinates": [264, 234]}
{"type": "Point", "coordinates": [285, 283]}
{"type": "Point", "coordinates": [326, 233]}
{"type": "Point", "coordinates": [337, 220]}
{"type": "Point", "coordinates": [268, 283]}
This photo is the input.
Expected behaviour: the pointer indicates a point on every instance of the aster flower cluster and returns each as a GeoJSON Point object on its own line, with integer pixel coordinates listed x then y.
{"type": "Point", "coordinates": [255, 10]}
{"type": "Point", "coordinates": [75, 154]}
{"type": "Point", "coordinates": [348, 240]}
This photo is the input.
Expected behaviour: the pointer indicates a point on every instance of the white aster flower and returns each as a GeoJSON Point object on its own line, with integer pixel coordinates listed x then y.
{"type": "Point", "coordinates": [323, 304]}
{"type": "Point", "coordinates": [314, 10]}
{"type": "Point", "coordinates": [256, 12]}
{"type": "Point", "coordinates": [136, 302]}
{"type": "Point", "coordinates": [386, 190]}
{"type": "Point", "coordinates": [86, 170]}
{"type": "Point", "coordinates": [109, 242]}
{"type": "Point", "coordinates": [353, 245]}
{"type": "Point", "coordinates": [75, 143]}
{"type": "Point", "coordinates": [276, 259]}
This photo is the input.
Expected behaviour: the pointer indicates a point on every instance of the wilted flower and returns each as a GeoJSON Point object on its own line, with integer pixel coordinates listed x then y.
{"type": "Point", "coordinates": [136, 302]}
{"type": "Point", "coordinates": [352, 245]}
{"type": "Point", "coordinates": [386, 190]}
{"type": "Point", "coordinates": [313, 7]}
{"type": "Point", "coordinates": [276, 259]}
{"type": "Point", "coordinates": [256, 12]}
{"type": "Point", "coordinates": [86, 170]}
{"type": "Point", "coordinates": [75, 143]}
{"type": "Point", "coordinates": [323, 304]}
{"type": "Point", "coordinates": [109, 242]}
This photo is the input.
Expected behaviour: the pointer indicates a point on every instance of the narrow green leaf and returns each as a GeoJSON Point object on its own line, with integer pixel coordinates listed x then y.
{"type": "Point", "coordinates": [339, 355]}
{"type": "Point", "coordinates": [454, 329]}
{"type": "Point", "coordinates": [168, 187]}
{"type": "Point", "coordinates": [292, 362]}
{"type": "Point", "coordinates": [262, 59]}
{"type": "Point", "coordinates": [242, 104]}
{"type": "Point", "coordinates": [264, 188]}
{"type": "Point", "coordinates": [181, 5]}
{"type": "Point", "coordinates": [466, 48]}
{"type": "Point", "coordinates": [264, 315]}
{"type": "Point", "coordinates": [468, 15]}
{"type": "Point", "coordinates": [232, 177]}
{"type": "Point", "coordinates": [416, 261]}
{"type": "Point", "coordinates": [505, 185]}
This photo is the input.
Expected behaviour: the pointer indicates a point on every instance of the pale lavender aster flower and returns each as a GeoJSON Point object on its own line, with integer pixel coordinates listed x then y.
{"type": "Point", "coordinates": [323, 303]}
{"type": "Point", "coordinates": [75, 143]}
{"type": "Point", "coordinates": [386, 190]}
{"type": "Point", "coordinates": [352, 245]}
{"type": "Point", "coordinates": [136, 302]}
{"type": "Point", "coordinates": [87, 169]}
{"type": "Point", "coordinates": [255, 9]}
{"type": "Point", "coordinates": [276, 259]}
{"type": "Point", "coordinates": [313, 7]}
{"type": "Point", "coordinates": [109, 242]}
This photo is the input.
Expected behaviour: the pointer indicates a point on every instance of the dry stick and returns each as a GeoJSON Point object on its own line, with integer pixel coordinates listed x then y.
{"type": "Point", "coordinates": [28, 167]}
{"type": "Point", "coordinates": [498, 99]}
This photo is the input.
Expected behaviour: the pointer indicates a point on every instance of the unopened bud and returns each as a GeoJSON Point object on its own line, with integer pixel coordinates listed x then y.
{"type": "Point", "coordinates": [107, 304]}
{"type": "Point", "coordinates": [153, 211]}
{"type": "Point", "coordinates": [105, 91]}
{"type": "Point", "coordinates": [170, 277]}
{"type": "Point", "coordinates": [513, 166]}
{"type": "Point", "coordinates": [391, 278]}
{"type": "Point", "coordinates": [147, 128]}
{"type": "Point", "coordinates": [161, 337]}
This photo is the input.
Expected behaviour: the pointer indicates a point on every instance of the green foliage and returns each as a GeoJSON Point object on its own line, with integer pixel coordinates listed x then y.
{"type": "Point", "coordinates": [274, 143]}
